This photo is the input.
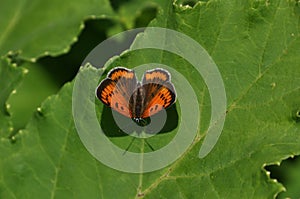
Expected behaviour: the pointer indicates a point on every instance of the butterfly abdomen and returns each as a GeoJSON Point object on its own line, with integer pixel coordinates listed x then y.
{"type": "Point", "coordinates": [136, 104]}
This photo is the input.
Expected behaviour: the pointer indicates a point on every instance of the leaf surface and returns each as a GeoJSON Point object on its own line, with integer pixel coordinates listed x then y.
{"type": "Point", "coordinates": [10, 78]}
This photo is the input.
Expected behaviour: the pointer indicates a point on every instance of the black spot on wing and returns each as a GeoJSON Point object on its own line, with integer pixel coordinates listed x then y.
{"type": "Point", "coordinates": [171, 94]}
{"type": "Point", "coordinates": [104, 91]}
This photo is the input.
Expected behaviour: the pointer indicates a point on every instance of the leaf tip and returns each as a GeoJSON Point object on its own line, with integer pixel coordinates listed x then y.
{"type": "Point", "coordinates": [9, 53]}
{"type": "Point", "coordinates": [274, 180]}
{"type": "Point", "coordinates": [185, 6]}
{"type": "Point", "coordinates": [11, 129]}
{"type": "Point", "coordinates": [39, 111]}
{"type": "Point", "coordinates": [25, 71]}
{"type": "Point", "coordinates": [74, 39]}
{"type": "Point", "coordinates": [87, 66]}
{"type": "Point", "coordinates": [81, 27]}
{"type": "Point", "coordinates": [93, 17]}
{"type": "Point", "coordinates": [66, 50]}
{"type": "Point", "coordinates": [8, 106]}
{"type": "Point", "coordinates": [268, 173]}
{"type": "Point", "coordinates": [273, 85]}
{"type": "Point", "coordinates": [33, 60]}
{"type": "Point", "coordinates": [277, 163]}
{"type": "Point", "coordinates": [13, 138]}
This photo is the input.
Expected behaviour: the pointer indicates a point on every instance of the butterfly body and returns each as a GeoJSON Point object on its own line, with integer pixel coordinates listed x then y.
{"type": "Point", "coordinates": [137, 100]}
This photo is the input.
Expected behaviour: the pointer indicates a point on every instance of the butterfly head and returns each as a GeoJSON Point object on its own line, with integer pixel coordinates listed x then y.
{"type": "Point", "coordinates": [140, 121]}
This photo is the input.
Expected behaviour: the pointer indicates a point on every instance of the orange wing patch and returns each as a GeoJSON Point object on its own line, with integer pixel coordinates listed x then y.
{"type": "Point", "coordinates": [120, 72]}
{"type": "Point", "coordinates": [116, 89]}
{"type": "Point", "coordinates": [159, 95]}
{"type": "Point", "coordinates": [111, 96]}
{"type": "Point", "coordinates": [156, 76]}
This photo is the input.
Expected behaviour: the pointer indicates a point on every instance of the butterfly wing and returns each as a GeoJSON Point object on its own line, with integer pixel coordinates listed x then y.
{"type": "Point", "coordinates": [159, 92]}
{"type": "Point", "coordinates": [157, 75]}
{"type": "Point", "coordinates": [122, 73]}
{"type": "Point", "coordinates": [116, 89]}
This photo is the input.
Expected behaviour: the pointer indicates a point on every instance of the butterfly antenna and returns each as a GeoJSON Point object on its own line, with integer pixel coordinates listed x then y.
{"type": "Point", "coordinates": [129, 145]}
{"type": "Point", "coordinates": [149, 145]}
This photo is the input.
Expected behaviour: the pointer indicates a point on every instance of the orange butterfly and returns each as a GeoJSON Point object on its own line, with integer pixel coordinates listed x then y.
{"type": "Point", "coordinates": [137, 100]}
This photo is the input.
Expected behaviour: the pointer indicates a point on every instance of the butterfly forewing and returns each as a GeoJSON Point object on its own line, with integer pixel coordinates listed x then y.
{"type": "Point", "coordinates": [120, 72]}
{"type": "Point", "coordinates": [159, 92]}
{"type": "Point", "coordinates": [157, 75]}
{"type": "Point", "coordinates": [116, 89]}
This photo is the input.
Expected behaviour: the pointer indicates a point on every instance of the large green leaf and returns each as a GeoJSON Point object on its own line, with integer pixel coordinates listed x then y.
{"type": "Point", "coordinates": [10, 77]}
{"type": "Point", "coordinates": [259, 62]}
{"type": "Point", "coordinates": [39, 28]}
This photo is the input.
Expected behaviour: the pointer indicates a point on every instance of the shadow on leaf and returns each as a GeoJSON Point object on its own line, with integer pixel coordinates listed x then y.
{"type": "Point", "coordinates": [111, 129]}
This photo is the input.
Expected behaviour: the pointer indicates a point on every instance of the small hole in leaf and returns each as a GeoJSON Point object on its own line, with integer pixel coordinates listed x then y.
{"type": "Point", "coordinates": [296, 115]}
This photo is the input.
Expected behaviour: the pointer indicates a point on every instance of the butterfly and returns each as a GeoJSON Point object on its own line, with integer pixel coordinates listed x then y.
{"type": "Point", "coordinates": [122, 92]}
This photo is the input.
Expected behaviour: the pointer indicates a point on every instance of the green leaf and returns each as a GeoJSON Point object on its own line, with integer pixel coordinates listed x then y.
{"type": "Point", "coordinates": [259, 63]}
{"type": "Point", "coordinates": [45, 28]}
{"type": "Point", "coordinates": [10, 77]}
{"type": "Point", "coordinates": [260, 68]}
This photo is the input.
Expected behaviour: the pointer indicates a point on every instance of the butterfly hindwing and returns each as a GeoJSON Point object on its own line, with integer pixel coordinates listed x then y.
{"type": "Point", "coordinates": [116, 89]}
